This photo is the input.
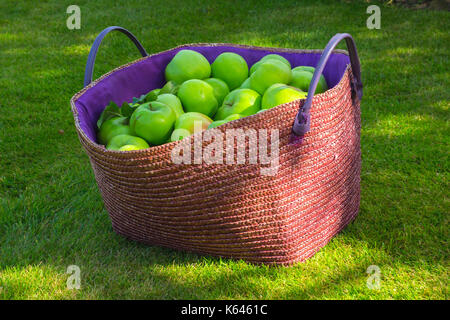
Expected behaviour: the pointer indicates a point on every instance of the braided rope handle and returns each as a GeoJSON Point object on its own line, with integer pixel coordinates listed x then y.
{"type": "Point", "coordinates": [302, 120]}
{"type": "Point", "coordinates": [93, 53]}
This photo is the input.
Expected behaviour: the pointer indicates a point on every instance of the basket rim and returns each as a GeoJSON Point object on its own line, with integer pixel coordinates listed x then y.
{"type": "Point", "coordinates": [100, 147]}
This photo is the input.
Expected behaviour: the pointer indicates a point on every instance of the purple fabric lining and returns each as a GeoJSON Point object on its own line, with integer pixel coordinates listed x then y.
{"type": "Point", "coordinates": [148, 74]}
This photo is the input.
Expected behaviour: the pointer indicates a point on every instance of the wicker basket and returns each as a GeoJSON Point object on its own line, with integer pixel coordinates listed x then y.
{"type": "Point", "coordinates": [234, 210]}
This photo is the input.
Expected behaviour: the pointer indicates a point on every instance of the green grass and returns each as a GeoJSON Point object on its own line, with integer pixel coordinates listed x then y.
{"type": "Point", "coordinates": [51, 212]}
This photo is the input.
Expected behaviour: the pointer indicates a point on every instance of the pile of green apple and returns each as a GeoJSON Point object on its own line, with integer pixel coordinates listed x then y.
{"type": "Point", "coordinates": [208, 94]}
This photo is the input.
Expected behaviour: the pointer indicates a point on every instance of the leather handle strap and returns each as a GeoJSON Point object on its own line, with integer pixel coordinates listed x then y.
{"type": "Point", "coordinates": [302, 120]}
{"type": "Point", "coordinates": [94, 49]}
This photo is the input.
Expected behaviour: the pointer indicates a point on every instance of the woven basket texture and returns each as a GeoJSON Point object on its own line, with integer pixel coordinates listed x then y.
{"type": "Point", "coordinates": [233, 210]}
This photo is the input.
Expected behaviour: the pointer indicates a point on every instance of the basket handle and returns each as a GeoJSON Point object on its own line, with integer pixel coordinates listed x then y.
{"type": "Point", "coordinates": [302, 120]}
{"type": "Point", "coordinates": [93, 53]}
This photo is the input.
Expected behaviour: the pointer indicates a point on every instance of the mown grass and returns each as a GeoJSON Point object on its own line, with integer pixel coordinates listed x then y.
{"type": "Point", "coordinates": [51, 212]}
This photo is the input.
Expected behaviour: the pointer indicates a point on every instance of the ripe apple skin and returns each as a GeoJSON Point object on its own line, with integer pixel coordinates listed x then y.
{"type": "Point", "coordinates": [113, 127]}
{"type": "Point", "coordinates": [255, 66]}
{"type": "Point", "coordinates": [280, 93]}
{"type": "Point", "coordinates": [239, 101]}
{"type": "Point", "coordinates": [198, 96]}
{"type": "Point", "coordinates": [302, 76]}
{"type": "Point", "coordinates": [187, 64]}
{"type": "Point", "coordinates": [276, 57]}
{"type": "Point", "coordinates": [245, 84]}
{"type": "Point", "coordinates": [301, 79]}
{"type": "Point", "coordinates": [126, 142]}
{"type": "Point", "coordinates": [129, 147]}
{"type": "Point", "coordinates": [185, 125]}
{"type": "Point", "coordinates": [217, 123]}
{"type": "Point", "coordinates": [220, 88]}
{"type": "Point", "coordinates": [268, 73]}
{"type": "Point", "coordinates": [304, 68]}
{"type": "Point", "coordinates": [231, 68]}
{"type": "Point", "coordinates": [153, 121]}
{"type": "Point", "coordinates": [172, 101]}
{"type": "Point", "coordinates": [269, 57]}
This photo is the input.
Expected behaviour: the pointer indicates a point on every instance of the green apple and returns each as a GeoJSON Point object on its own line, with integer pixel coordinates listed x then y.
{"type": "Point", "coordinates": [198, 96]}
{"type": "Point", "coordinates": [187, 64]}
{"type": "Point", "coordinates": [153, 121]}
{"type": "Point", "coordinates": [276, 57]}
{"type": "Point", "coordinates": [126, 142]}
{"type": "Point", "coordinates": [268, 73]}
{"type": "Point", "coordinates": [231, 68]}
{"type": "Point", "coordinates": [245, 84]}
{"type": "Point", "coordinates": [240, 101]}
{"type": "Point", "coordinates": [255, 66]}
{"type": "Point", "coordinates": [280, 93]}
{"type": "Point", "coordinates": [304, 68]}
{"type": "Point", "coordinates": [234, 116]}
{"type": "Point", "coordinates": [186, 124]}
{"type": "Point", "coordinates": [220, 88]}
{"type": "Point", "coordinates": [217, 123]}
{"type": "Point", "coordinates": [269, 57]}
{"type": "Point", "coordinates": [113, 127]}
{"type": "Point", "coordinates": [172, 101]}
{"type": "Point", "coordinates": [301, 79]}
{"type": "Point", "coordinates": [302, 76]}
{"type": "Point", "coordinates": [130, 147]}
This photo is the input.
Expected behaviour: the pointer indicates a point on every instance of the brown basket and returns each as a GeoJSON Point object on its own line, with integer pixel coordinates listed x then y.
{"type": "Point", "coordinates": [234, 210]}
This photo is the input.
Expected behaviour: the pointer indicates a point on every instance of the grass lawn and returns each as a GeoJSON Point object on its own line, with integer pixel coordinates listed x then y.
{"type": "Point", "coordinates": [52, 214]}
